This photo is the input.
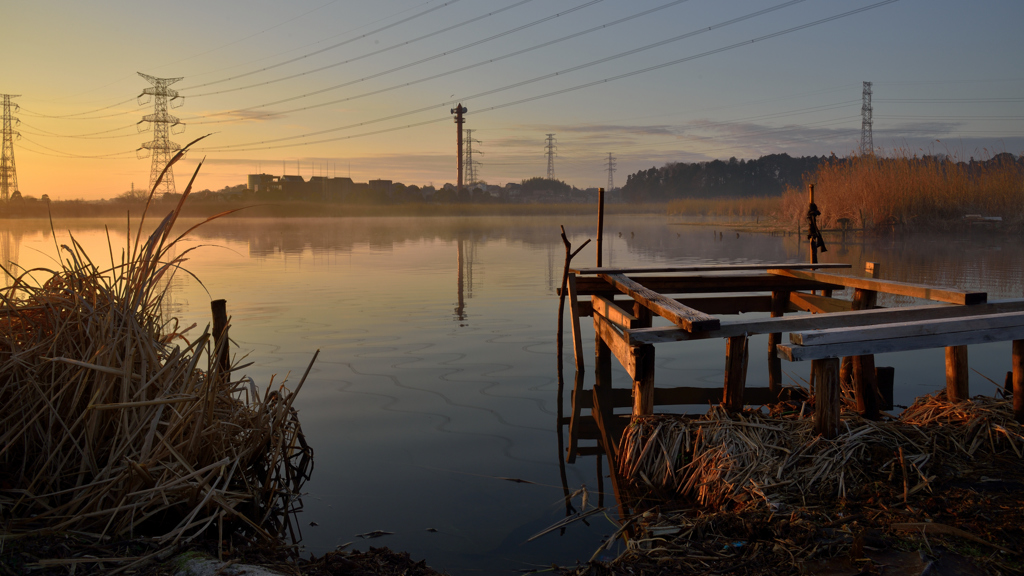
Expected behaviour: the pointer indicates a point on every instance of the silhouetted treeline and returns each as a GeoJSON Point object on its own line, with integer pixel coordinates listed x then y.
{"type": "Point", "coordinates": [766, 176]}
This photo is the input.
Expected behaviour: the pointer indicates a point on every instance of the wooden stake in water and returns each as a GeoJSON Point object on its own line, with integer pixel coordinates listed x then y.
{"type": "Point", "coordinates": [813, 240]}
{"type": "Point", "coordinates": [600, 224]}
{"type": "Point", "coordinates": [220, 338]}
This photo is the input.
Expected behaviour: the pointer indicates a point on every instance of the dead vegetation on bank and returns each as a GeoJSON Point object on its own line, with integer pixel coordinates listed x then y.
{"type": "Point", "coordinates": [115, 422]}
{"type": "Point", "coordinates": [938, 490]}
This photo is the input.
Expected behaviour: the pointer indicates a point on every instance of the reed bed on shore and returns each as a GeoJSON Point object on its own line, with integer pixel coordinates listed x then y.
{"type": "Point", "coordinates": [900, 188]}
{"type": "Point", "coordinates": [755, 460]}
{"type": "Point", "coordinates": [115, 422]}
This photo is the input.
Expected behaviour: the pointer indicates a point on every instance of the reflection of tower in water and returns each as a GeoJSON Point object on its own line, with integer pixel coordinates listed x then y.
{"type": "Point", "coordinates": [10, 251]}
{"type": "Point", "coordinates": [464, 278]}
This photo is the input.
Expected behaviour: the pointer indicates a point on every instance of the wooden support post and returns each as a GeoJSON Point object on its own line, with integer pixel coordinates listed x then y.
{"type": "Point", "coordinates": [780, 302]}
{"type": "Point", "coordinates": [574, 313]}
{"type": "Point", "coordinates": [735, 373]}
{"type": "Point", "coordinates": [860, 370]}
{"type": "Point", "coordinates": [957, 388]}
{"type": "Point", "coordinates": [643, 383]}
{"type": "Point", "coordinates": [826, 396]}
{"type": "Point", "coordinates": [1018, 380]}
{"type": "Point", "coordinates": [600, 224]}
{"type": "Point", "coordinates": [574, 423]}
{"type": "Point", "coordinates": [220, 337]}
{"type": "Point", "coordinates": [602, 360]}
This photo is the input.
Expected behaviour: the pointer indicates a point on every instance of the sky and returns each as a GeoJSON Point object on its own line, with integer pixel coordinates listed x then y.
{"type": "Point", "coordinates": [365, 88]}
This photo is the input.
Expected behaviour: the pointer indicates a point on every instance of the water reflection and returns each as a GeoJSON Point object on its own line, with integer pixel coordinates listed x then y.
{"type": "Point", "coordinates": [423, 401]}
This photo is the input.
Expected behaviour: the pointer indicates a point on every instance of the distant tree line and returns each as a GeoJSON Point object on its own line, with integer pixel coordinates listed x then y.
{"type": "Point", "coordinates": [767, 176]}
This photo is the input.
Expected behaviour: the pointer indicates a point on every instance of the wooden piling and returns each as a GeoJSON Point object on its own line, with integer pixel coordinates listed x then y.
{"type": "Point", "coordinates": [735, 373]}
{"type": "Point", "coordinates": [600, 224]}
{"type": "Point", "coordinates": [957, 388]}
{"type": "Point", "coordinates": [643, 382]}
{"type": "Point", "coordinates": [860, 370]}
{"type": "Point", "coordinates": [780, 301]}
{"type": "Point", "coordinates": [219, 308]}
{"type": "Point", "coordinates": [826, 396]}
{"type": "Point", "coordinates": [1018, 380]}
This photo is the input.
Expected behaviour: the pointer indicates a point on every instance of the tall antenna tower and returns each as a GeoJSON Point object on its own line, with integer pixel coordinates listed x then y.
{"type": "Point", "coordinates": [611, 170]}
{"type": "Point", "coordinates": [161, 147]}
{"type": "Point", "coordinates": [550, 148]}
{"type": "Point", "coordinates": [8, 172]}
{"type": "Point", "coordinates": [867, 145]}
{"type": "Point", "coordinates": [471, 175]}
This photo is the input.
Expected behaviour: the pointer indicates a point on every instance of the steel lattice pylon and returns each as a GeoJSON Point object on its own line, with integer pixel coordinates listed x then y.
{"type": "Point", "coordinates": [8, 172]}
{"type": "Point", "coordinates": [161, 147]}
{"type": "Point", "coordinates": [867, 145]}
{"type": "Point", "coordinates": [472, 177]}
{"type": "Point", "coordinates": [550, 149]}
{"type": "Point", "coordinates": [610, 165]}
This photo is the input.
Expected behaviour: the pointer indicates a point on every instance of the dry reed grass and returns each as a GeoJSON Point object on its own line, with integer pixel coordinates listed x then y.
{"type": "Point", "coordinates": [873, 191]}
{"type": "Point", "coordinates": [111, 425]}
{"type": "Point", "coordinates": [755, 460]}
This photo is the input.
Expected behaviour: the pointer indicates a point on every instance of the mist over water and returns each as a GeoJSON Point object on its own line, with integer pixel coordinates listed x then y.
{"type": "Point", "coordinates": [436, 379]}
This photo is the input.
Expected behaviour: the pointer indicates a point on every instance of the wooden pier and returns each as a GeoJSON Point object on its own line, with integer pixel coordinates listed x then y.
{"type": "Point", "coordinates": [840, 337]}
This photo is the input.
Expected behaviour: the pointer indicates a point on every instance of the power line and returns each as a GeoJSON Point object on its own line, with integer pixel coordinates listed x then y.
{"type": "Point", "coordinates": [89, 136]}
{"type": "Point", "coordinates": [322, 50]}
{"type": "Point", "coordinates": [551, 75]}
{"type": "Point", "coordinates": [260, 145]}
{"type": "Point", "coordinates": [391, 70]}
{"type": "Point", "coordinates": [367, 55]}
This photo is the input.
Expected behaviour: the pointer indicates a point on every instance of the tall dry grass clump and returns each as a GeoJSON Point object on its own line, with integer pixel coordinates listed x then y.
{"type": "Point", "coordinates": [873, 191]}
{"type": "Point", "coordinates": [114, 423]}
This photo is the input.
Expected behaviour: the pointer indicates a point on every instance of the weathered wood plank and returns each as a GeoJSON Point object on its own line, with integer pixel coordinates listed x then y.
{"type": "Point", "coordinates": [797, 353]}
{"type": "Point", "coordinates": [678, 314]}
{"type": "Point", "coordinates": [909, 328]}
{"type": "Point", "coordinates": [708, 304]}
{"type": "Point", "coordinates": [706, 268]}
{"type": "Point", "coordinates": [826, 396]}
{"type": "Point", "coordinates": [697, 284]}
{"type": "Point", "coordinates": [574, 313]}
{"type": "Point", "coordinates": [819, 304]}
{"type": "Point", "coordinates": [889, 287]}
{"type": "Point", "coordinates": [957, 385]}
{"type": "Point", "coordinates": [610, 335]}
{"type": "Point", "coordinates": [858, 319]}
{"type": "Point", "coordinates": [613, 312]}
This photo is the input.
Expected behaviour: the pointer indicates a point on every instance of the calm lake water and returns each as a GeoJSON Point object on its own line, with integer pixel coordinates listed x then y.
{"type": "Point", "coordinates": [436, 380]}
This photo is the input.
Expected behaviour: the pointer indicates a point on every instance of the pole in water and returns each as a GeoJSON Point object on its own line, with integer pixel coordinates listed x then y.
{"type": "Point", "coordinates": [600, 224]}
{"type": "Point", "coordinates": [219, 308]}
{"type": "Point", "coordinates": [810, 223]}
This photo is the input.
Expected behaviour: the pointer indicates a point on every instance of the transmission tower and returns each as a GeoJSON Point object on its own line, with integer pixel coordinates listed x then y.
{"type": "Point", "coordinates": [161, 147]}
{"type": "Point", "coordinates": [550, 148]}
{"type": "Point", "coordinates": [8, 172]}
{"type": "Point", "coordinates": [867, 145]}
{"type": "Point", "coordinates": [471, 175]}
{"type": "Point", "coordinates": [611, 170]}
{"type": "Point", "coordinates": [460, 119]}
